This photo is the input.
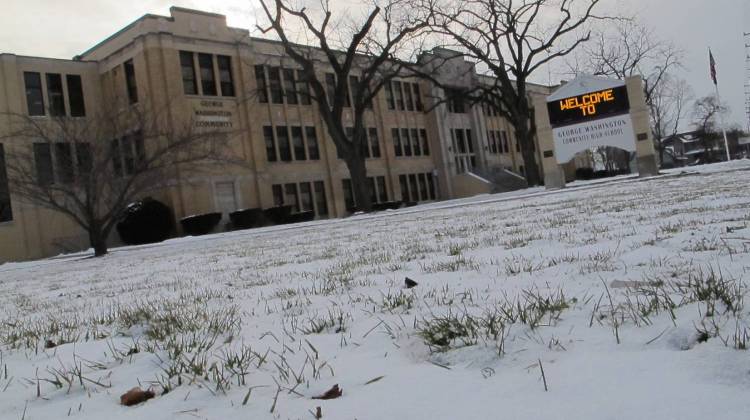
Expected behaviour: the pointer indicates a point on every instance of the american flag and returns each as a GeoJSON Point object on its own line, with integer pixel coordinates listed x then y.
{"type": "Point", "coordinates": [713, 66]}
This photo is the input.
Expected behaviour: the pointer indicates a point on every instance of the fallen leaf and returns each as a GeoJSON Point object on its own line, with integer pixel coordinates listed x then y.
{"type": "Point", "coordinates": [332, 393]}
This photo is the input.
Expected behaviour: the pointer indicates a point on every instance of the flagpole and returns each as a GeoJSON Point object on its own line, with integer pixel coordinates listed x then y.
{"type": "Point", "coordinates": [712, 68]}
{"type": "Point", "coordinates": [718, 99]}
{"type": "Point", "coordinates": [723, 129]}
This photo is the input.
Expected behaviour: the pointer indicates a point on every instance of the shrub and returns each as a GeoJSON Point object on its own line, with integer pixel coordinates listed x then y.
{"type": "Point", "coordinates": [246, 218]}
{"type": "Point", "coordinates": [388, 205]}
{"type": "Point", "coordinates": [278, 215]}
{"type": "Point", "coordinates": [200, 224]}
{"type": "Point", "coordinates": [146, 221]}
{"type": "Point", "coordinates": [304, 216]}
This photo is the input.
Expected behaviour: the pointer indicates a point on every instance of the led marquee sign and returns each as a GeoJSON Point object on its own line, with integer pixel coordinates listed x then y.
{"type": "Point", "coordinates": [589, 106]}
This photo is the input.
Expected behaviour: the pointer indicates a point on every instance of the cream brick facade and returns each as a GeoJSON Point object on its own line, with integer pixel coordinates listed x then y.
{"type": "Point", "coordinates": [153, 45]}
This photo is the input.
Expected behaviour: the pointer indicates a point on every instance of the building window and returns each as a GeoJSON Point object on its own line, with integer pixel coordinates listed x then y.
{"type": "Point", "coordinates": [298, 143]}
{"type": "Point", "coordinates": [43, 162]}
{"type": "Point", "coordinates": [330, 88]}
{"type": "Point", "coordinates": [381, 188]}
{"type": "Point", "coordinates": [397, 141]}
{"type": "Point", "coordinates": [34, 96]}
{"type": "Point", "coordinates": [321, 203]}
{"type": "Point", "coordinates": [285, 151]}
{"type": "Point", "coordinates": [278, 195]}
{"type": "Point", "coordinates": [225, 75]}
{"type": "Point", "coordinates": [404, 187]}
{"type": "Point", "coordinates": [409, 97]}
{"type": "Point", "coordinates": [374, 142]}
{"type": "Point", "coordinates": [415, 142]}
{"type": "Point", "coordinates": [306, 196]}
{"type": "Point", "coordinates": [417, 97]}
{"type": "Point", "coordinates": [346, 184]}
{"type": "Point", "coordinates": [55, 95]}
{"type": "Point", "coordinates": [189, 80]}
{"type": "Point", "coordinates": [389, 96]}
{"type": "Point", "coordinates": [410, 142]}
{"type": "Point", "coordinates": [84, 159]}
{"type": "Point", "coordinates": [425, 142]}
{"type": "Point", "coordinates": [303, 88]}
{"type": "Point", "coordinates": [270, 144]}
{"type": "Point", "coordinates": [303, 196]}
{"type": "Point", "coordinates": [260, 84]}
{"type": "Point", "coordinates": [455, 98]}
{"type": "Point", "coordinates": [290, 89]}
{"type": "Point", "coordinates": [406, 141]}
{"type": "Point", "coordinates": [6, 212]}
{"type": "Point", "coordinates": [417, 187]}
{"type": "Point", "coordinates": [376, 185]}
{"type": "Point", "coordinates": [274, 82]}
{"type": "Point", "coordinates": [291, 198]}
{"type": "Point", "coordinates": [75, 96]}
{"type": "Point", "coordinates": [128, 152]}
{"type": "Point", "coordinates": [64, 162]}
{"type": "Point", "coordinates": [130, 83]}
{"type": "Point", "coordinates": [312, 143]}
{"type": "Point", "coordinates": [294, 150]}
{"type": "Point", "coordinates": [208, 77]}
{"type": "Point", "coordinates": [399, 96]}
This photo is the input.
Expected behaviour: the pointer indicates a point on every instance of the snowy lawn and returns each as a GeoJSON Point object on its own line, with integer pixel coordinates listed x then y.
{"type": "Point", "coordinates": [615, 300]}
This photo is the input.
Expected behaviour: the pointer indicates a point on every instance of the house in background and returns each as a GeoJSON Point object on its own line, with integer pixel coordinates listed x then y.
{"type": "Point", "coordinates": [687, 149]}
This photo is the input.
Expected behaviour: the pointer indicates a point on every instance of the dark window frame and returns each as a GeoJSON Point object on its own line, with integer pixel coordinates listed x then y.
{"type": "Point", "coordinates": [226, 78]}
{"type": "Point", "coordinates": [189, 76]}
{"type": "Point", "coordinates": [207, 74]}
{"type": "Point", "coordinates": [131, 85]}
{"type": "Point", "coordinates": [75, 95]}
{"type": "Point", "coordinates": [55, 95]}
{"type": "Point", "coordinates": [34, 94]}
{"type": "Point", "coordinates": [6, 203]}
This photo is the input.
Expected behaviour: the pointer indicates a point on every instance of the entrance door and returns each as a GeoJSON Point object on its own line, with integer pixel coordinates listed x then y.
{"type": "Point", "coordinates": [463, 150]}
{"type": "Point", "coordinates": [226, 199]}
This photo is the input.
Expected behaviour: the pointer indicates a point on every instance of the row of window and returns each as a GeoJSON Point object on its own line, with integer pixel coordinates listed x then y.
{"type": "Point", "coordinates": [131, 86]}
{"type": "Point", "coordinates": [498, 141]}
{"type": "Point", "coordinates": [490, 108]}
{"type": "Point", "coordinates": [378, 191]}
{"type": "Point", "coordinates": [372, 147]}
{"type": "Point", "coordinates": [410, 142]}
{"type": "Point", "coordinates": [204, 80]}
{"type": "Point", "coordinates": [462, 141]}
{"type": "Point", "coordinates": [70, 161]}
{"type": "Point", "coordinates": [403, 96]}
{"type": "Point", "coordinates": [6, 213]}
{"type": "Point", "coordinates": [55, 94]}
{"type": "Point", "coordinates": [128, 152]}
{"type": "Point", "coordinates": [302, 146]}
{"type": "Point", "coordinates": [302, 196]}
{"type": "Point", "coordinates": [417, 187]}
{"type": "Point", "coordinates": [281, 85]}
{"type": "Point", "coordinates": [456, 101]}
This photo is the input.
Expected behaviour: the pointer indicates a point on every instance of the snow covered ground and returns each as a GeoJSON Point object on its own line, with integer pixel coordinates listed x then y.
{"type": "Point", "coordinates": [621, 299]}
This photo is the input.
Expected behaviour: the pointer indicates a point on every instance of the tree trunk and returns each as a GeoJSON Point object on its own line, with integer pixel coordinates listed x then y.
{"type": "Point", "coordinates": [98, 241]}
{"type": "Point", "coordinates": [360, 186]}
{"type": "Point", "coordinates": [525, 138]}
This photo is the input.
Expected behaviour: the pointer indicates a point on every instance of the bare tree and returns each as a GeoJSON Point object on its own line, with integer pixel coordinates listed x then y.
{"type": "Point", "coordinates": [91, 169]}
{"type": "Point", "coordinates": [669, 108]}
{"type": "Point", "coordinates": [706, 111]}
{"type": "Point", "coordinates": [361, 63]}
{"type": "Point", "coordinates": [628, 48]}
{"type": "Point", "coordinates": [514, 40]}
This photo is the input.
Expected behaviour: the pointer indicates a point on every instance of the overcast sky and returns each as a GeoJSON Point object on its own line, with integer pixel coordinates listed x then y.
{"type": "Point", "coordinates": [62, 29]}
